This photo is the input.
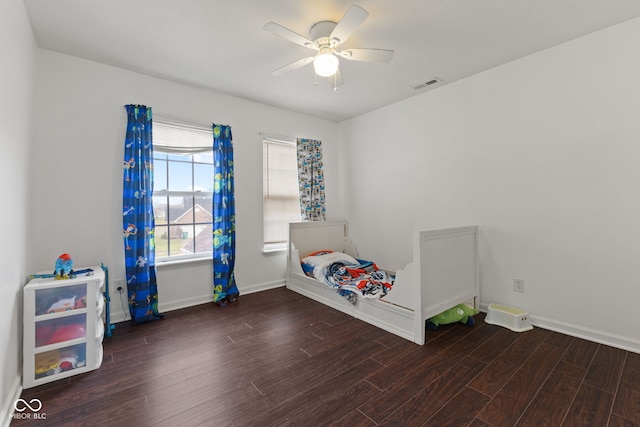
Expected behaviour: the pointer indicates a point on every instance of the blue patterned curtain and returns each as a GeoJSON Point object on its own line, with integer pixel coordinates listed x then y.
{"type": "Point", "coordinates": [138, 221]}
{"type": "Point", "coordinates": [311, 180]}
{"type": "Point", "coordinates": [224, 218]}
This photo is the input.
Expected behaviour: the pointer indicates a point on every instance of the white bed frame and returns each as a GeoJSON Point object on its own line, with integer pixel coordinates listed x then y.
{"type": "Point", "coordinates": [443, 274]}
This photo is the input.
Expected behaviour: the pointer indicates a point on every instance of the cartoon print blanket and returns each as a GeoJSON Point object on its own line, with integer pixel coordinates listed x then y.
{"type": "Point", "coordinates": [350, 276]}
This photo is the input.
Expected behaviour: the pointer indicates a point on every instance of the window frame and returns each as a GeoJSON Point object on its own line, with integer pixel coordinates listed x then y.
{"type": "Point", "coordinates": [172, 157]}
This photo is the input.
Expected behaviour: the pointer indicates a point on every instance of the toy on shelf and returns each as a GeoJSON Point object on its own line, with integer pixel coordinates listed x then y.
{"type": "Point", "coordinates": [56, 361]}
{"type": "Point", "coordinates": [61, 299]}
{"type": "Point", "coordinates": [67, 333]}
{"type": "Point", "coordinates": [46, 363]}
{"type": "Point", "coordinates": [60, 330]}
{"type": "Point", "coordinates": [69, 362]}
{"type": "Point", "coordinates": [67, 303]}
{"type": "Point", "coordinates": [64, 304]}
{"type": "Point", "coordinates": [64, 267]}
{"type": "Point", "coordinates": [81, 302]}
{"type": "Point", "coordinates": [63, 270]}
{"type": "Point", "coordinates": [460, 313]}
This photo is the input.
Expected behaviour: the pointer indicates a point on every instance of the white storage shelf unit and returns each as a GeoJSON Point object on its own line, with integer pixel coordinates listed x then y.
{"type": "Point", "coordinates": [63, 327]}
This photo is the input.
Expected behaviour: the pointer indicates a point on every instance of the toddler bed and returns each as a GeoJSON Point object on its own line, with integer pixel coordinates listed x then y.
{"type": "Point", "coordinates": [444, 273]}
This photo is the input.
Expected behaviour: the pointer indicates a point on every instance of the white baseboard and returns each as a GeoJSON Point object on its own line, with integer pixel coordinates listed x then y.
{"type": "Point", "coordinates": [118, 315]}
{"type": "Point", "coordinates": [165, 306]}
{"type": "Point", "coordinates": [606, 338]}
{"type": "Point", "coordinates": [244, 290]}
{"type": "Point", "coordinates": [7, 406]}
{"type": "Point", "coordinates": [577, 331]}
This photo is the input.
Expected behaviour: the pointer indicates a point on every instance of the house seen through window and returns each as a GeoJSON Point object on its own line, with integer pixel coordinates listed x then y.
{"type": "Point", "coordinates": [183, 191]}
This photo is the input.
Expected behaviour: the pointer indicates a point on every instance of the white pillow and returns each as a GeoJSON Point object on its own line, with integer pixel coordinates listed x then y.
{"type": "Point", "coordinates": [329, 258]}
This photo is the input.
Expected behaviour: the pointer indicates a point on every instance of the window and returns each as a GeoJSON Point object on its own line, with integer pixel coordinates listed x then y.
{"type": "Point", "coordinates": [281, 202]}
{"type": "Point", "coordinates": [182, 190]}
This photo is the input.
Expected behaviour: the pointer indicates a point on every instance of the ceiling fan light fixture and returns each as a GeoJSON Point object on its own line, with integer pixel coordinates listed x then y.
{"type": "Point", "coordinates": [325, 63]}
{"type": "Point", "coordinates": [324, 38]}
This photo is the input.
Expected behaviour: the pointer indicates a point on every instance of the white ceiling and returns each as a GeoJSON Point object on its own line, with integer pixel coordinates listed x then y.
{"type": "Point", "coordinates": [220, 44]}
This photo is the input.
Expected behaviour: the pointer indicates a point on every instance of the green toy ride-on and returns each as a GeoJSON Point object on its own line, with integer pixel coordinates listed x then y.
{"type": "Point", "coordinates": [460, 313]}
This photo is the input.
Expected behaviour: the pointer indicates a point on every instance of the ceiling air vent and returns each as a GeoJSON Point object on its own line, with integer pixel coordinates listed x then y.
{"type": "Point", "coordinates": [429, 83]}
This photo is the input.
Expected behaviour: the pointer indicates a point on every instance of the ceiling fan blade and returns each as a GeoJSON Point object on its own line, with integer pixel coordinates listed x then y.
{"type": "Point", "coordinates": [352, 19]}
{"type": "Point", "coordinates": [292, 36]}
{"type": "Point", "coordinates": [367, 55]}
{"type": "Point", "coordinates": [293, 66]}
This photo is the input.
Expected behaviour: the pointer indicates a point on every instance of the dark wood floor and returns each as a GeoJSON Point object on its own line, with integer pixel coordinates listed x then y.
{"type": "Point", "coordinates": [279, 359]}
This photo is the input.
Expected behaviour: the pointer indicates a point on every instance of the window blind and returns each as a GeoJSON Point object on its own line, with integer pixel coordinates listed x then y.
{"type": "Point", "coordinates": [280, 190]}
{"type": "Point", "coordinates": [178, 138]}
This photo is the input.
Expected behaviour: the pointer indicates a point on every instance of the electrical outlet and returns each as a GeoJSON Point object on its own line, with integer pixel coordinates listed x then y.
{"type": "Point", "coordinates": [119, 286]}
{"type": "Point", "coordinates": [518, 285]}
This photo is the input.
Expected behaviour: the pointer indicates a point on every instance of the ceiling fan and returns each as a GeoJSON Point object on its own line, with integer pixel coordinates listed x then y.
{"type": "Point", "coordinates": [324, 38]}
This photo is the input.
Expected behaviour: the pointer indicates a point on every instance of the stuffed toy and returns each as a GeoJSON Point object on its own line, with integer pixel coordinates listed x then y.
{"type": "Point", "coordinates": [64, 267]}
{"type": "Point", "coordinates": [460, 313]}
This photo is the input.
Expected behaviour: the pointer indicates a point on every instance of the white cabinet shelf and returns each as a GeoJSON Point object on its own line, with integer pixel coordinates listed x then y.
{"type": "Point", "coordinates": [63, 327]}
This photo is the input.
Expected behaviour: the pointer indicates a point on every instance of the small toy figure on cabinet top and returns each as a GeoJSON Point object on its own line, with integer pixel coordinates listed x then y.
{"type": "Point", "coordinates": [63, 270]}
{"type": "Point", "coordinates": [64, 267]}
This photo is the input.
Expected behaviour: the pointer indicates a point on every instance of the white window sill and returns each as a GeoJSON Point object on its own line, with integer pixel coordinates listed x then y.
{"type": "Point", "coordinates": [274, 249]}
{"type": "Point", "coordinates": [171, 262]}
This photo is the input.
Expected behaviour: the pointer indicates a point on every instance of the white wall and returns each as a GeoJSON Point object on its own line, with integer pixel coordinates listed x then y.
{"type": "Point", "coordinates": [542, 153]}
{"type": "Point", "coordinates": [17, 53]}
{"type": "Point", "coordinates": [77, 173]}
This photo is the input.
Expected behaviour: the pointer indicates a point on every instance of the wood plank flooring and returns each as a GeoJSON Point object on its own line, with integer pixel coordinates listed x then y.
{"type": "Point", "coordinates": [279, 359]}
